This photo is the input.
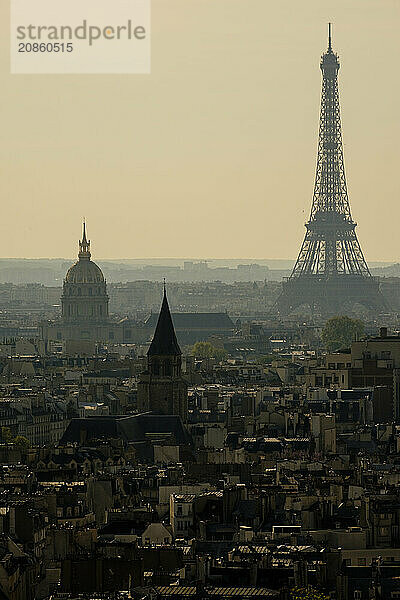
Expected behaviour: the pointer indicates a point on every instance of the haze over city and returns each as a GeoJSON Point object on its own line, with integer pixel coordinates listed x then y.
{"type": "Point", "coordinates": [213, 153]}
{"type": "Point", "coordinates": [200, 300]}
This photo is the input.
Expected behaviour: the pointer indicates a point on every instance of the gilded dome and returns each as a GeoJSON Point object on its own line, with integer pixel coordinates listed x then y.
{"type": "Point", "coordinates": [84, 271]}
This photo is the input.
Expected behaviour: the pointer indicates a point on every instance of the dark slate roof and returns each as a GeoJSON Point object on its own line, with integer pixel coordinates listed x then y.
{"type": "Point", "coordinates": [134, 428]}
{"type": "Point", "coordinates": [164, 341]}
{"type": "Point", "coordinates": [94, 427]}
{"type": "Point", "coordinates": [208, 321]}
{"type": "Point", "coordinates": [156, 559]}
{"type": "Point", "coordinates": [127, 527]}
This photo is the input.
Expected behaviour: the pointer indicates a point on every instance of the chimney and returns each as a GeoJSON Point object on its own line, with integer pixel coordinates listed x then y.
{"type": "Point", "coordinates": [383, 332]}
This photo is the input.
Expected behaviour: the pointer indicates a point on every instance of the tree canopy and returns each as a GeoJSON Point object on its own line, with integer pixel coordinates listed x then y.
{"type": "Point", "coordinates": [20, 441]}
{"type": "Point", "coordinates": [207, 350]}
{"type": "Point", "coordinates": [340, 331]}
{"type": "Point", "coordinates": [299, 593]}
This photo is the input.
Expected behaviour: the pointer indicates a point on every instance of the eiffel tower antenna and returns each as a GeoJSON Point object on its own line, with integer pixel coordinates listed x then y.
{"type": "Point", "coordinates": [330, 271]}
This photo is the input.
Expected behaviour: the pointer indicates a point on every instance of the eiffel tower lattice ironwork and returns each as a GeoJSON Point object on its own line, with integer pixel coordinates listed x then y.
{"type": "Point", "coordinates": [330, 272]}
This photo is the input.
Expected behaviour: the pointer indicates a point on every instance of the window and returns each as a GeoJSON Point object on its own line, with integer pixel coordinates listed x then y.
{"type": "Point", "coordinates": [156, 367]}
{"type": "Point", "coordinates": [167, 368]}
{"type": "Point", "coordinates": [384, 531]}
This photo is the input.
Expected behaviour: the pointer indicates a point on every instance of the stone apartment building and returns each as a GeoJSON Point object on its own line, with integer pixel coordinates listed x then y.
{"type": "Point", "coordinates": [36, 416]}
{"type": "Point", "coordinates": [373, 364]}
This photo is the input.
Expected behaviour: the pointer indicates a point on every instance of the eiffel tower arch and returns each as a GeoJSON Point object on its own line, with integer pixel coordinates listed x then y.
{"type": "Point", "coordinates": [330, 272]}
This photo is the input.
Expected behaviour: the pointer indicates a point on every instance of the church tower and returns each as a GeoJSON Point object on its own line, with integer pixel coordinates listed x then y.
{"type": "Point", "coordinates": [162, 389]}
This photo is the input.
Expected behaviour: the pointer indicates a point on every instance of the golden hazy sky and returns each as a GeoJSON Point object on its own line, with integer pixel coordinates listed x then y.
{"type": "Point", "coordinates": [213, 154]}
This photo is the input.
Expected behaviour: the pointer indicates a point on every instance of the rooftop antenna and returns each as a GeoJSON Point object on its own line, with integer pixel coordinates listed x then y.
{"type": "Point", "coordinates": [329, 38]}
{"type": "Point", "coordinates": [165, 291]}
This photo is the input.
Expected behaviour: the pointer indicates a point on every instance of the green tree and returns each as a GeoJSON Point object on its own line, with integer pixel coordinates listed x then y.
{"type": "Point", "coordinates": [6, 435]}
{"type": "Point", "coordinates": [21, 442]}
{"type": "Point", "coordinates": [298, 593]}
{"type": "Point", "coordinates": [207, 350]}
{"type": "Point", "coordinates": [339, 332]}
{"type": "Point", "coordinates": [266, 359]}
{"type": "Point", "coordinates": [220, 354]}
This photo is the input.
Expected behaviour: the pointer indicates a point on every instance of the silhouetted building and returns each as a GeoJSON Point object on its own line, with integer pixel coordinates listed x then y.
{"type": "Point", "coordinates": [85, 314]}
{"type": "Point", "coordinates": [162, 389]}
{"type": "Point", "coordinates": [84, 299]}
{"type": "Point", "coordinates": [194, 327]}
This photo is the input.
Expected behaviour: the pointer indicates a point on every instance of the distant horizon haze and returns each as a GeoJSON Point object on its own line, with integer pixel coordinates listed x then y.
{"type": "Point", "coordinates": [285, 263]}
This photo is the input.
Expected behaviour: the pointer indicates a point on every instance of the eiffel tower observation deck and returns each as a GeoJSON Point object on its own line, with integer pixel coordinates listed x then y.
{"type": "Point", "coordinates": [330, 274]}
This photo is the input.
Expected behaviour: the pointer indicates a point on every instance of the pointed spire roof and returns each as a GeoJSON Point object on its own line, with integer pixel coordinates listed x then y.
{"type": "Point", "coordinates": [164, 341]}
{"type": "Point", "coordinates": [84, 245]}
{"type": "Point", "coordinates": [84, 240]}
{"type": "Point", "coordinates": [329, 37]}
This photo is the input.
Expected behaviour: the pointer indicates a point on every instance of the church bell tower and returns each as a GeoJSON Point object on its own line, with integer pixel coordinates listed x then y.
{"type": "Point", "coordinates": [162, 389]}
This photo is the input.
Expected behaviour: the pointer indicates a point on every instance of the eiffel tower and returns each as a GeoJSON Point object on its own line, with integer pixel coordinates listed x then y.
{"type": "Point", "coordinates": [330, 274]}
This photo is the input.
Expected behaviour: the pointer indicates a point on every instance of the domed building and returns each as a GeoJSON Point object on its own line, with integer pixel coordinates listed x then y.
{"type": "Point", "coordinates": [84, 303]}
{"type": "Point", "coordinates": [84, 299]}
